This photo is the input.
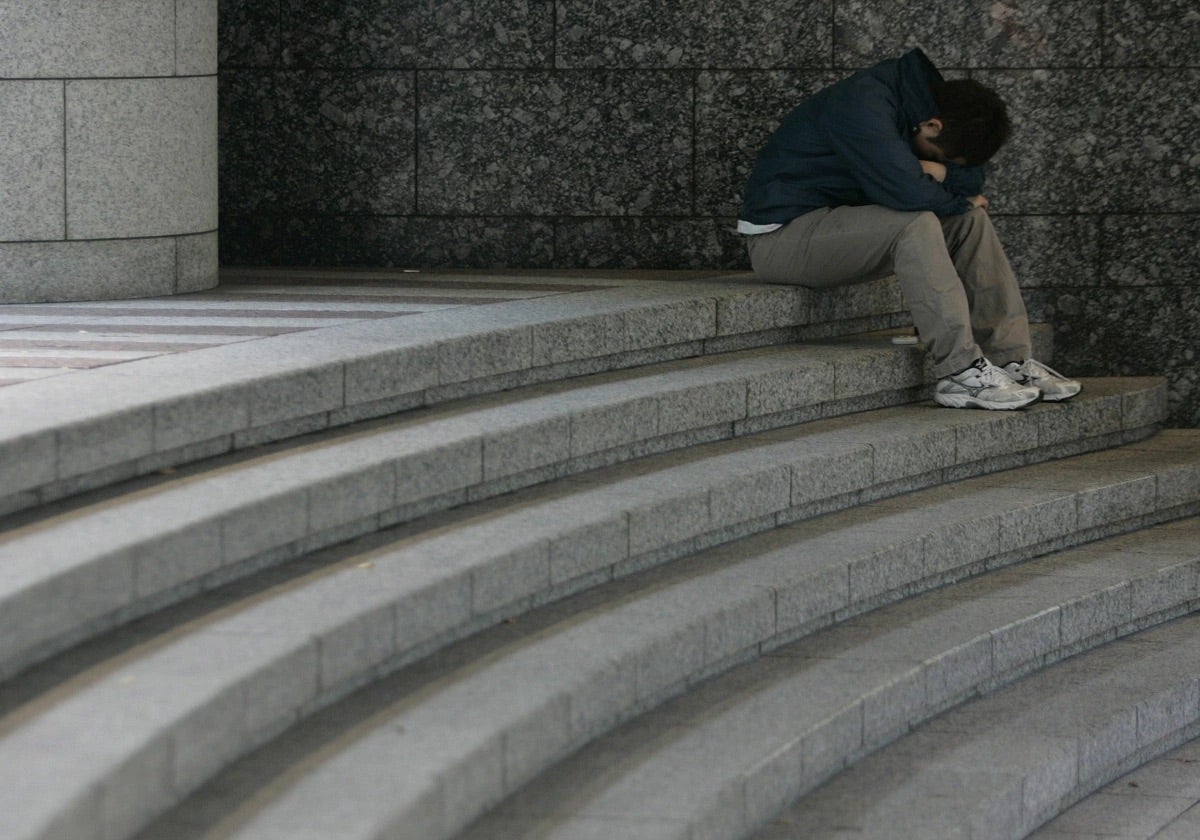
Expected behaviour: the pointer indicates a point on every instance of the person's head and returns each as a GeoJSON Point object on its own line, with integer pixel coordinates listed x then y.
{"type": "Point", "coordinates": [971, 125]}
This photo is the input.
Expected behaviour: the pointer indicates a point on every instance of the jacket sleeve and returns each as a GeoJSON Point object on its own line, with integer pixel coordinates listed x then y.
{"type": "Point", "coordinates": [964, 180]}
{"type": "Point", "coordinates": [860, 127]}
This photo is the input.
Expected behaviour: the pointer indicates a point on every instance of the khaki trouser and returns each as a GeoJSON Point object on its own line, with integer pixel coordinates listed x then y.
{"type": "Point", "coordinates": [953, 273]}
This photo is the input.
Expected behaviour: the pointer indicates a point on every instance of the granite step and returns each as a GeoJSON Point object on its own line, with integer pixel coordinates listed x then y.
{"type": "Point", "coordinates": [726, 758]}
{"type": "Point", "coordinates": [72, 570]}
{"type": "Point", "coordinates": [60, 436]}
{"type": "Point", "coordinates": [1159, 800]}
{"type": "Point", "coordinates": [1002, 765]}
{"type": "Point", "coordinates": [434, 746]}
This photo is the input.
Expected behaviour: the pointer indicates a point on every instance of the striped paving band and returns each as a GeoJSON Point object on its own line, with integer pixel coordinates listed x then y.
{"type": "Point", "coordinates": [40, 340]}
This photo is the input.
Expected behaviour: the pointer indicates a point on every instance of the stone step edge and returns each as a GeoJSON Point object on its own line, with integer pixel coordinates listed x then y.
{"type": "Point", "coordinates": [1158, 799]}
{"type": "Point", "coordinates": [64, 435]}
{"type": "Point", "coordinates": [1156, 709]}
{"type": "Point", "coordinates": [574, 687]}
{"type": "Point", "coordinates": [60, 586]}
{"type": "Point", "coordinates": [195, 733]}
{"type": "Point", "coordinates": [791, 752]}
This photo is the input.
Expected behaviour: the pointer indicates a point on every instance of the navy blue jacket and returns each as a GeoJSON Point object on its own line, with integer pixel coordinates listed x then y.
{"type": "Point", "coordinates": [851, 144]}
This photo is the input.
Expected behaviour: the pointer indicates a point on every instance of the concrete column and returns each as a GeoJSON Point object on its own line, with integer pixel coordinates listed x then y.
{"type": "Point", "coordinates": [108, 148]}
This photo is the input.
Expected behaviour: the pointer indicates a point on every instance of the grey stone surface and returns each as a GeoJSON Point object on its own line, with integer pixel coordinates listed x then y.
{"type": "Point", "coordinates": [196, 37]}
{"type": "Point", "coordinates": [1157, 33]}
{"type": "Point", "coordinates": [736, 113]}
{"type": "Point", "coordinates": [1151, 250]}
{"type": "Point", "coordinates": [142, 157]}
{"type": "Point", "coordinates": [1052, 250]}
{"type": "Point", "coordinates": [525, 144]}
{"type": "Point", "coordinates": [84, 39]}
{"type": "Point", "coordinates": [711, 33]}
{"type": "Point", "coordinates": [196, 262]}
{"type": "Point", "coordinates": [975, 34]}
{"type": "Point", "coordinates": [35, 272]}
{"type": "Point", "coordinates": [287, 118]}
{"type": "Point", "coordinates": [384, 33]}
{"type": "Point", "coordinates": [647, 242]}
{"type": "Point", "coordinates": [31, 160]}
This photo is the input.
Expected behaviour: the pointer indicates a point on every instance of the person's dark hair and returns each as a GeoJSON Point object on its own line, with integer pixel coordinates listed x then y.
{"type": "Point", "coordinates": [974, 120]}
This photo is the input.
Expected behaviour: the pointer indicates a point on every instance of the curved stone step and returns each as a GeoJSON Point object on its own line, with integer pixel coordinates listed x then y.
{"type": "Point", "coordinates": [66, 576]}
{"type": "Point", "coordinates": [1158, 801]}
{"type": "Point", "coordinates": [59, 436]}
{"type": "Point", "coordinates": [1002, 765]}
{"type": "Point", "coordinates": [728, 757]}
{"type": "Point", "coordinates": [462, 735]}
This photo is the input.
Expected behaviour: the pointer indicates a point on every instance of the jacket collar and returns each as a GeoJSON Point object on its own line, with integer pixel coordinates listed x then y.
{"type": "Point", "coordinates": [917, 74]}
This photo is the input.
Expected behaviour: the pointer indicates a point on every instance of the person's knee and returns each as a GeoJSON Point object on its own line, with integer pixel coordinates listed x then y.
{"type": "Point", "coordinates": [924, 227]}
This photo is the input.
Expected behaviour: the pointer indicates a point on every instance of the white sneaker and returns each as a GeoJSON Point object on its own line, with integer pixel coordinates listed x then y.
{"type": "Point", "coordinates": [1054, 386]}
{"type": "Point", "coordinates": [983, 385]}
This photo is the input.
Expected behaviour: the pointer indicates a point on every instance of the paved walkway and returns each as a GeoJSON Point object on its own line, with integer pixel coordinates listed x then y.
{"type": "Point", "coordinates": [51, 339]}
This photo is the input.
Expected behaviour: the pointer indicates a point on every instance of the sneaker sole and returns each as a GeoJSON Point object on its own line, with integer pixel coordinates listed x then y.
{"type": "Point", "coordinates": [1059, 397]}
{"type": "Point", "coordinates": [967, 401]}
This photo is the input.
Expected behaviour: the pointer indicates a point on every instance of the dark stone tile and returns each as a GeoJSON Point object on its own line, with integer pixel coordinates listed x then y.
{"type": "Point", "coordinates": [649, 243]}
{"type": "Point", "coordinates": [417, 33]}
{"type": "Point", "coordinates": [1151, 250]}
{"type": "Point", "coordinates": [1151, 141]}
{"type": "Point", "coordinates": [867, 31]}
{"type": "Point", "coordinates": [1054, 162]}
{"type": "Point", "coordinates": [703, 33]}
{"type": "Point", "coordinates": [1051, 250]}
{"type": "Point", "coordinates": [1152, 330]}
{"type": "Point", "coordinates": [247, 34]}
{"type": "Point", "coordinates": [735, 114]}
{"type": "Point", "coordinates": [1032, 33]}
{"type": "Point", "coordinates": [1094, 141]}
{"type": "Point", "coordinates": [317, 142]}
{"type": "Point", "coordinates": [977, 33]}
{"type": "Point", "coordinates": [406, 241]}
{"type": "Point", "coordinates": [1152, 33]}
{"type": "Point", "coordinates": [575, 143]}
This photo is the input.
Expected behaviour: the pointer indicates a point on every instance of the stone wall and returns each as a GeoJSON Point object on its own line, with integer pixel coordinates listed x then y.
{"type": "Point", "coordinates": [519, 133]}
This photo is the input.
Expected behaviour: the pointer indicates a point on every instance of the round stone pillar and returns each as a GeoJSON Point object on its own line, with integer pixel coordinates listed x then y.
{"type": "Point", "coordinates": [108, 148]}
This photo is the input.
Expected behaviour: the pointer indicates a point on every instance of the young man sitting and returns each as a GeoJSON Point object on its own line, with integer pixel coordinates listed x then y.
{"type": "Point", "coordinates": [882, 173]}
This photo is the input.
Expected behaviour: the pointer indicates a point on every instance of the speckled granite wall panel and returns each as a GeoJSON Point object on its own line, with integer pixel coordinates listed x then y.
{"type": "Point", "coordinates": [1152, 250]}
{"type": "Point", "coordinates": [614, 133]}
{"type": "Point", "coordinates": [975, 33]}
{"type": "Point", "coordinates": [317, 141]}
{"type": "Point", "coordinates": [1061, 129]}
{"type": "Point", "coordinates": [701, 33]}
{"type": "Point", "coordinates": [649, 243]}
{"type": "Point", "coordinates": [1051, 250]}
{"type": "Point", "coordinates": [398, 241]}
{"type": "Point", "coordinates": [579, 143]}
{"type": "Point", "coordinates": [1151, 147]}
{"type": "Point", "coordinates": [735, 114]}
{"type": "Point", "coordinates": [247, 34]}
{"type": "Point", "coordinates": [1152, 33]}
{"type": "Point", "coordinates": [867, 31]}
{"type": "Point", "coordinates": [417, 33]}
{"type": "Point", "coordinates": [1133, 332]}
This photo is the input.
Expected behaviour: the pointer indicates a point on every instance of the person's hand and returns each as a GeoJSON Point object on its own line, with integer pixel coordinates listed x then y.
{"type": "Point", "coordinates": [978, 201]}
{"type": "Point", "coordinates": [937, 170]}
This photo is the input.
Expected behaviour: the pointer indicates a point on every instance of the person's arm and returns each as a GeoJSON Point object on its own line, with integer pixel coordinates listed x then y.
{"type": "Point", "coordinates": [860, 128]}
{"type": "Point", "coordinates": [934, 169]}
{"type": "Point", "coordinates": [964, 180]}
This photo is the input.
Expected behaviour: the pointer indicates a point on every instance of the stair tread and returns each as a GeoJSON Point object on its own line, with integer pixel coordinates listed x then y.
{"type": "Point", "coordinates": [1052, 736]}
{"type": "Point", "coordinates": [64, 575]}
{"type": "Point", "coordinates": [59, 437]}
{"type": "Point", "coordinates": [1157, 800]}
{"type": "Point", "coordinates": [535, 683]}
